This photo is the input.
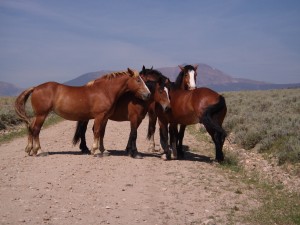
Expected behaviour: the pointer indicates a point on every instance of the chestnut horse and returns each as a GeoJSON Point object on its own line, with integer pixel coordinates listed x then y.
{"type": "Point", "coordinates": [92, 101]}
{"type": "Point", "coordinates": [130, 108]}
{"type": "Point", "coordinates": [201, 105]}
{"type": "Point", "coordinates": [186, 80]}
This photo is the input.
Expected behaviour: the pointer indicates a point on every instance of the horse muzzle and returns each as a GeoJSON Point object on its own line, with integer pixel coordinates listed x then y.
{"type": "Point", "coordinates": [166, 108]}
{"type": "Point", "coordinates": [145, 96]}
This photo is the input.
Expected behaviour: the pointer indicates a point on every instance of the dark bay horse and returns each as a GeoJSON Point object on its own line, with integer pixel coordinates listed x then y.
{"type": "Point", "coordinates": [130, 108]}
{"type": "Point", "coordinates": [200, 105]}
{"type": "Point", "coordinates": [92, 101]}
{"type": "Point", "coordinates": [186, 80]}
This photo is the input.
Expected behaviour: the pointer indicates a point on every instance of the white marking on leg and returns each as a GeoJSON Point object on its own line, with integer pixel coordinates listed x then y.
{"type": "Point", "coordinates": [192, 79]}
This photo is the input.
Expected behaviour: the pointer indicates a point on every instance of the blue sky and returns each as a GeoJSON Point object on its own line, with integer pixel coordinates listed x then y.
{"type": "Point", "coordinates": [59, 40]}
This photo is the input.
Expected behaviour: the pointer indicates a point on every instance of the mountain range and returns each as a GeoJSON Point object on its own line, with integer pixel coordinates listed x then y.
{"type": "Point", "coordinates": [207, 76]}
{"type": "Point", "coordinates": [8, 89]}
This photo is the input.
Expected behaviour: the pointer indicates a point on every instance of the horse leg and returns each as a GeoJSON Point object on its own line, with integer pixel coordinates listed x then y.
{"type": "Point", "coordinates": [173, 139]}
{"type": "Point", "coordinates": [83, 147]}
{"type": "Point", "coordinates": [163, 133]}
{"type": "Point", "coordinates": [102, 133]}
{"type": "Point", "coordinates": [218, 139]}
{"type": "Point", "coordinates": [36, 128]}
{"type": "Point", "coordinates": [180, 140]}
{"type": "Point", "coordinates": [151, 131]}
{"type": "Point", "coordinates": [129, 143]}
{"type": "Point", "coordinates": [131, 146]}
{"type": "Point", "coordinates": [29, 146]}
{"type": "Point", "coordinates": [96, 130]}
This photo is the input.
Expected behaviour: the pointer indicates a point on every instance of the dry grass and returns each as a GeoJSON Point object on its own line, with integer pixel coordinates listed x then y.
{"type": "Point", "coordinates": [11, 124]}
{"type": "Point", "coordinates": [268, 121]}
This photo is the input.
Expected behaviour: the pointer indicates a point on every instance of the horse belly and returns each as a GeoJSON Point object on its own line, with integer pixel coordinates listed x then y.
{"type": "Point", "coordinates": [119, 116]}
{"type": "Point", "coordinates": [185, 119]}
{"type": "Point", "coordinates": [73, 109]}
{"type": "Point", "coordinates": [76, 114]}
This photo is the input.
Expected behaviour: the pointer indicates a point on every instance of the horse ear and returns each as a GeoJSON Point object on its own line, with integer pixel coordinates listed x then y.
{"type": "Point", "coordinates": [152, 68]}
{"type": "Point", "coordinates": [181, 67]}
{"type": "Point", "coordinates": [196, 67]}
{"type": "Point", "coordinates": [143, 69]}
{"type": "Point", "coordinates": [130, 71]}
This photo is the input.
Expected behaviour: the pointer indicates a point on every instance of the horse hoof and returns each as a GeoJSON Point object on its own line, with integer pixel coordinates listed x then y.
{"type": "Point", "coordinates": [164, 157]}
{"type": "Point", "coordinates": [220, 160]}
{"type": "Point", "coordinates": [137, 156]}
{"type": "Point", "coordinates": [85, 152]}
{"type": "Point", "coordinates": [42, 154]}
{"type": "Point", "coordinates": [106, 154]}
{"type": "Point", "coordinates": [99, 155]}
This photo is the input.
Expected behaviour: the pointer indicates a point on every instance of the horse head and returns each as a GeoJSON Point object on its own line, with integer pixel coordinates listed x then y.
{"type": "Point", "coordinates": [159, 85]}
{"type": "Point", "coordinates": [137, 85]}
{"type": "Point", "coordinates": [187, 77]}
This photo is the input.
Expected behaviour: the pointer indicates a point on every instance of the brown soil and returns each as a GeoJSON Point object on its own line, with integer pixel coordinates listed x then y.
{"type": "Point", "coordinates": [69, 188]}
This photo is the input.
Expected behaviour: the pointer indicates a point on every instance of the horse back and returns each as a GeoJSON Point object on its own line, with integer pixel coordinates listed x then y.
{"type": "Point", "coordinates": [62, 99]}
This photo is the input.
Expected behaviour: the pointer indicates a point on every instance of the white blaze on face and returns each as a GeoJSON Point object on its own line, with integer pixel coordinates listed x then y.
{"type": "Point", "coordinates": [192, 79]}
{"type": "Point", "coordinates": [166, 90]}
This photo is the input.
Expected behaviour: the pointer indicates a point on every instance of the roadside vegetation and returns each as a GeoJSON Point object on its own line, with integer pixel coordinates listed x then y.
{"type": "Point", "coordinates": [267, 121]}
{"type": "Point", "coordinates": [11, 125]}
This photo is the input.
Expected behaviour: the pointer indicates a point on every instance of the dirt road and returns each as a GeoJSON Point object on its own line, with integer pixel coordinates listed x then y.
{"type": "Point", "coordinates": [69, 188]}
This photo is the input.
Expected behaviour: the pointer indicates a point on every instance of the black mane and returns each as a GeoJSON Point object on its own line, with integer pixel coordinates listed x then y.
{"type": "Point", "coordinates": [162, 79]}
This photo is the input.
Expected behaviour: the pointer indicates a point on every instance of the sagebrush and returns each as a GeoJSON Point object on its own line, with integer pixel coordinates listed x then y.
{"type": "Point", "coordinates": [267, 120]}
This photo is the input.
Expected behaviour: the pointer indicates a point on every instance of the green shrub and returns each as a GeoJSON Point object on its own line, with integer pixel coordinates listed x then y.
{"type": "Point", "coordinates": [268, 120]}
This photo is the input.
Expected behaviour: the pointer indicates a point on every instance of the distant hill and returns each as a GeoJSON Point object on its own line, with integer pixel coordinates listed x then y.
{"type": "Point", "coordinates": [249, 86]}
{"type": "Point", "coordinates": [8, 89]}
{"type": "Point", "coordinates": [83, 79]}
{"type": "Point", "coordinates": [207, 77]}
{"type": "Point", "coordinates": [220, 81]}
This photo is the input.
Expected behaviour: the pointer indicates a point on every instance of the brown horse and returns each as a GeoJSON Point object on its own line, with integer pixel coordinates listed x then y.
{"type": "Point", "coordinates": [93, 101]}
{"type": "Point", "coordinates": [201, 105]}
{"type": "Point", "coordinates": [130, 108]}
{"type": "Point", "coordinates": [186, 80]}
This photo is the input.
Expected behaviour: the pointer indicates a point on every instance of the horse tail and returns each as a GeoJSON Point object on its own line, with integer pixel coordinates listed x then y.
{"type": "Point", "coordinates": [207, 119]}
{"type": "Point", "coordinates": [80, 130]}
{"type": "Point", "coordinates": [20, 105]}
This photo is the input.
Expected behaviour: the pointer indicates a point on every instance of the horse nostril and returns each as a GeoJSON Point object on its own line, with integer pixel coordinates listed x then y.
{"type": "Point", "coordinates": [167, 108]}
{"type": "Point", "coordinates": [147, 96]}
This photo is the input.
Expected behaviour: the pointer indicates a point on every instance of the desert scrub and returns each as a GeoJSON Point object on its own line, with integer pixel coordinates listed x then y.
{"type": "Point", "coordinates": [8, 116]}
{"type": "Point", "coordinates": [267, 120]}
{"type": "Point", "coordinates": [11, 124]}
{"type": "Point", "coordinates": [278, 206]}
